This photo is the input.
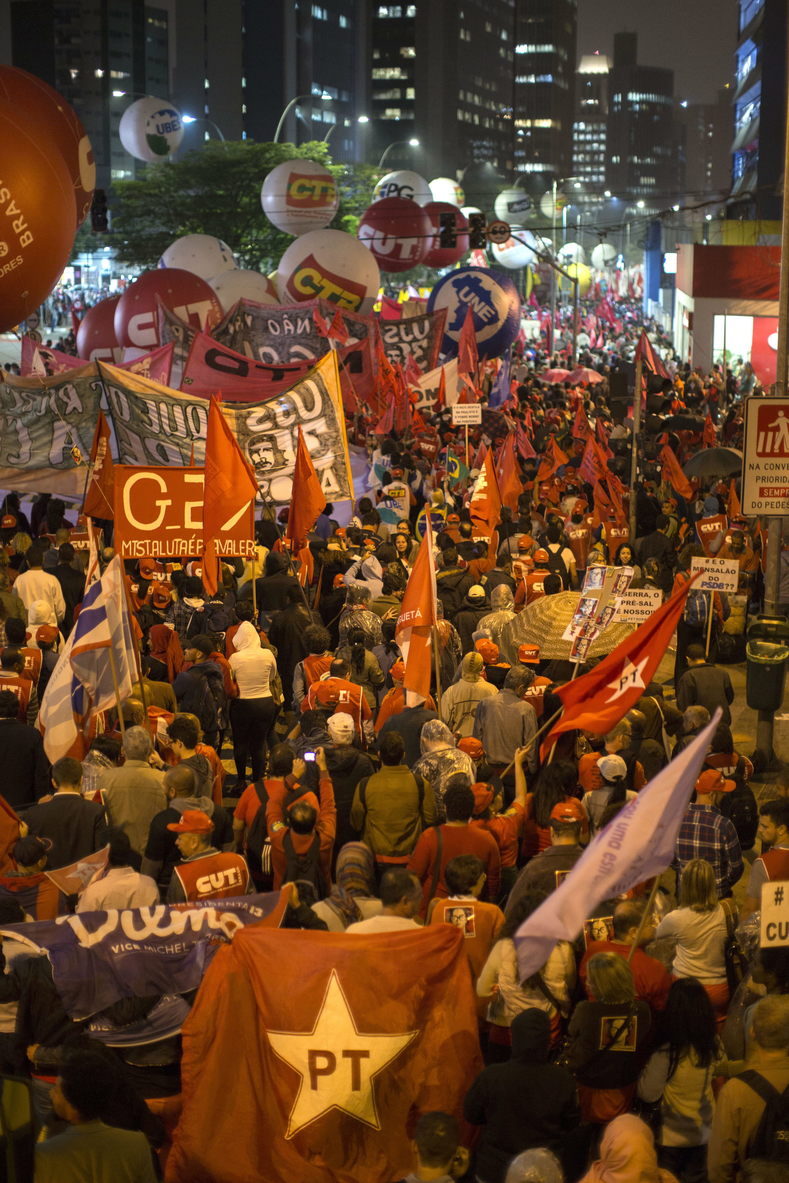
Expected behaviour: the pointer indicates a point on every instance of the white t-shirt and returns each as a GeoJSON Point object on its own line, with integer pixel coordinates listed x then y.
{"type": "Point", "coordinates": [253, 670]}
{"type": "Point", "coordinates": [700, 940]}
{"type": "Point", "coordinates": [383, 924]}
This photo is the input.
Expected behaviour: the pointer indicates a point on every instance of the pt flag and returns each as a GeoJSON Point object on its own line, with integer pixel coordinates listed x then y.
{"type": "Point", "coordinates": [468, 357]}
{"type": "Point", "coordinates": [307, 499]}
{"type": "Point", "coordinates": [598, 700]}
{"type": "Point", "coordinates": [371, 1032]}
{"type": "Point", "coordinates": [674, 474]}
{"type": "Point", "coordinates": [96, 666]}
{"type": "Point", "coordinates": [636, 845]}
{"type": "Point", "coordinates": [101, 479]}
{"type": "Point", "coordinates": [414, 629]}
{"type": "Point", "coordinates": [230, 487]}
{"type": "Point", "coordinates": [485, 503]}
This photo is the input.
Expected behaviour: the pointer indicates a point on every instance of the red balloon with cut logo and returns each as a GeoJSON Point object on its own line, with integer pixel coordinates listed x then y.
{"type": "Point", "coordinates": [36, 219]}
{"type": "Point", "coordinates": [52, 121]}
{"type": "Point", "coordinates": [397, 231]}
{"type": "Point", "coordinates": [446, 256]}
{"type": "Point", "coordinates": [96, 340]}
{"type": "Point", "coordinates": [185, 294]}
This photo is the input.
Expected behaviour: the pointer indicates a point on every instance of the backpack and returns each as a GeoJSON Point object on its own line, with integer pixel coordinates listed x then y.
{"type": "Point", "coordinates": [303, 866]}
{"type": "Point", "coordinates": [557, 565]}
{"type": "Point", "coordinates": [217, 617]}
{"type": "Point", "coordinates": [696, 607]}
{"type": "Point", "coordinates": [420, 788]}
{"type": "Point", "coordinates": [740, 808]}
{"type": "Point", "coordinates": [196, 625]}
{"type": "Point", "coordinates": [258, 831]}
{"type": "Point", "coordinates": [770, 1140]}
{"type": "Point", "coordinates": [448, 588]}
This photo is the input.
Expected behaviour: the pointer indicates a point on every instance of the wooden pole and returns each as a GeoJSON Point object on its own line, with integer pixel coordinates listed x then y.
{"type": "Point", "coordinates": [709, 624]}
{"type": "Point", "coordinates": [116, 685]}
{"type": "Point", "coordinates": [634, 444]}
{"type": "Point", "coordinates": [644, 917]}
{"type": "Point", "coordinates": [467, 464]}
{"type": "Point", "coordinates": [254, 583]}
{"type": "Point", "coordinates": [533, 740]}
{"type": "Point", "coordinates": [437, 667]}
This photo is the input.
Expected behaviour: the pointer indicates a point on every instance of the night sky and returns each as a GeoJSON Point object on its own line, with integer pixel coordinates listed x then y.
{"type": "Point", "coordinates": [695, 38]}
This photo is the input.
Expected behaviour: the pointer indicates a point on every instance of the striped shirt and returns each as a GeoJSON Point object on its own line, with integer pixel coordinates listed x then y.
{"type": "Point", "coordinates": [706, 833]}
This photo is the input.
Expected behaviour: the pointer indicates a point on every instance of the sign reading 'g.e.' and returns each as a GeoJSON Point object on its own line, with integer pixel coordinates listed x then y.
{"type": "Point", "coordinates": [159, 512]}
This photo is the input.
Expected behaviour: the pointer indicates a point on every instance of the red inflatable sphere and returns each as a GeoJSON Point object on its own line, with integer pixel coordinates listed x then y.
{"type": "Point", "coordinates": [50, 119]}
{"type": "Point", "coordinates": [185, 294]}
{"type": "Point", "coordinates": [446, 256]}
{"type": "Point", "coordinates": [397, 231]}
{"type": "Point", "coordinates": [96, 340]}
{"type": "Point", "coordinates": [36, 219]}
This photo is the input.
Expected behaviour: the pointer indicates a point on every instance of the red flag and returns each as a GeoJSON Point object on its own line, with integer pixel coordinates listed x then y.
{"type": "Point", "coordinates": [648, 356]}
{"type": "Point", "coordinates": [581, 427]}
{"type": "Point", "coordinates": [412, 371]}
{"type": "Point", "coordinates": [414, 629]}
{"type": "Point", "coordinates": [523, 442]}
{"type": "Point", "coordinates": [593, 467]}
{"type": "Point", "coordinates": [337, 329]}
{"type": "Point", "coordinates": [385, 425]}
{"type": "Point", "coordinates": [598, 700]}
{"type": "Point", "coordinates": [733, 501]}
{"type": "Point", "coordinates": [710, 436]}
{"type": "Point", "coordinates": [674, 474]}
{"type": "Point", "coordinates": [441, 393]}
{"type": "Point", "coordinates": [468, 357]}
{"type": "Point", "coordinates": [101, 481]}
{"type": "Point", "coordinates": [340, 1061]}
{"type": "Point", "coordinates": [711, 532]}
{"type": "Point", "coordinates": [508, 473]}
{"type": "Point", "coordinates": [485, 503]}
{"type": "Point", "coordinates": [553, 460]}
{"type": "Point", "coordinates": [307, 499]}
{"type": "Point", "coordinates": [230, 486]}
{"type": "Point", "coordinates": [75, 322]}
{"type": "Point", "coordinates": [321, 324]}
{"type": "Point", "coordinates": [602, 438]}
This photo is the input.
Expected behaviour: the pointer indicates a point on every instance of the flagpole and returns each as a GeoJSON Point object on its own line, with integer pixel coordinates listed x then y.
{"type": "Point", "coordinates": [634, 443]}
{"type": "Point", "coordinates": [644, 917]}
{"type": "Point", "coordinates": [116, 685]}
{"type": "Point", "coordinates": [434, 640]}
{"type": "Point", "coordinates": [254, 583]}
{"type": "Point", "coordinates": [533, 740]}
{"type": "Point", "coordinates": [709, 625]}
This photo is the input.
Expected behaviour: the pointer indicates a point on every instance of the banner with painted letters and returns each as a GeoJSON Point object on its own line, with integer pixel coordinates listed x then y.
{"type": "Point", "coordinates": [417, 337]}
{"type": "Point", "coordinates": [279, 334]}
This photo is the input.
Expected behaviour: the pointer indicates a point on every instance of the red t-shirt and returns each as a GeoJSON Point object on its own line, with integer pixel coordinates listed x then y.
{"type": "Point", "coordinates": [506, 828]}
{"type": "Point", "coordinates": [455, 840]}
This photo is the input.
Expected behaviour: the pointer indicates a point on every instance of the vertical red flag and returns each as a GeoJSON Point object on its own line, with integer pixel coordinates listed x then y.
{"type": "Point", "coordinates": [340, 1064]}
{"type": "Point", "coordinates": [508, 473]}
{"type": "Point", "coordinates": [101, 479]}
{"type": "Point", "coordinates": [646, 353]}
{"type": "Point", "coordinates": [468, 357]}
{"type": "Point", "coordinates": [581, 429]}
{"type": "Point", "coordinates": [485, 503]}
{"type": "Point", "coordinates": [414, 629]}
{"type": "Point", "coordinates": [441, 393]}
{"type": "Point", "coordinates": [674, 474]}
{"type": "Point", "coordinates": [733, 502]}
{"type": "Point", "coordinates": [710, 436]}
{"type": "Point", "coordinates": [230, 485]}
{"type": "Point", "coordinates": [598, 700]}
{"type": "Point", "coordinates": [307, 499]}
{"type": "Point", "coordinates": [337, 329]}
{"type": "Point", "coordinates": [552, 461]}
{"type": "Point", "coordinates": [321, 323]}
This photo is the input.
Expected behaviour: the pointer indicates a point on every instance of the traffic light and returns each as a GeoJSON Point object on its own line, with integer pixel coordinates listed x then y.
{"type": "Point", "coordinates": [98, 213]}
{"type": "Point", "coordinates": [448, 235]}
{"type": "Point", "coordinates": [477, 238]}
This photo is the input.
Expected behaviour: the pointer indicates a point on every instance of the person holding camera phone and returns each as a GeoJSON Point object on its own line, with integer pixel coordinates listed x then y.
{"type": "Point", "coordinates": [302, 837]}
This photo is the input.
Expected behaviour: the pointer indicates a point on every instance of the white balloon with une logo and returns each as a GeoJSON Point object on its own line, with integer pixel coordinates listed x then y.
{"type": "Point", "coordinates": [151, 129]}
{"type": "Point", "coordinates": [232, 286]}
{"type": "Point", "coordinates": [404, 183]}
{"type": "Point", "coordinates": [511, 205]}
{"type": "Point", "coordinates": [602, 255]}
{"type": "Point", "coordinates": [518, 251]}
{"type": "Point", "coordinates": [445, 189]}
{"type": "Point", "coordinates": [572, 252]}
{"type": "Point", "coordinates": [202, 254]}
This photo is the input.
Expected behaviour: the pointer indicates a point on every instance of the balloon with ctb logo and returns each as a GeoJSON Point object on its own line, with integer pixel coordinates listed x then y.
{"type": "Point", "coordinates": [299, 195]}
{"type": "Point", "coordinates": [330, 265]}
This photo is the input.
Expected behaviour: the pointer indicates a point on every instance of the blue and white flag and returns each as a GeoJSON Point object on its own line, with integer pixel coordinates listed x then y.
{"type": "Point", "coordinates": [96, 667]}
{"type": "Point", "coordinates": [500, 391]}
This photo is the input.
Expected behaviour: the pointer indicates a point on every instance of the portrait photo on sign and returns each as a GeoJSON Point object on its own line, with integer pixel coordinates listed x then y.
{"type": "Point", "coordinates": [462, 916]}
{"type": "Point", "coordinates": [599, 928]}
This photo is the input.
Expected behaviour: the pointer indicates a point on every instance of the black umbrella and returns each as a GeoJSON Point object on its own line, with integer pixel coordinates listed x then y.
{"type": "Point", "coordinates": [683, 423]}
{"type": "Point", "coordinates": [714, 462]}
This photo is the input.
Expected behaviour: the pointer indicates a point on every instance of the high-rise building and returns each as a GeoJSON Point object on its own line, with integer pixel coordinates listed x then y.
{"type": "Point", "coordinates": [316, 53]}
{"type": "Point", "coordinates": [99, 57]}
{"type": "Point", "coordinates": [759, 101]}
{"type": "Point", "coordinates": [708, 133]}
{"type": "Point", "coordinates": [645, 148]}
{"type": "Point", "coordinates": [442, 74]}
{"type": "Point", "coordinates": [590, 125]}
{"type": "Point", "coordinates": [545, 55]}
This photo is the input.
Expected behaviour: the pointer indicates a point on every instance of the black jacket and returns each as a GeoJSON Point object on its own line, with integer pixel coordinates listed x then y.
{"type": "Point", "coordinates": [72, 584]}
{"type": "Point", "coordinates": [74, 826]}
{"type": "Point", "coordinates": [24, 764]}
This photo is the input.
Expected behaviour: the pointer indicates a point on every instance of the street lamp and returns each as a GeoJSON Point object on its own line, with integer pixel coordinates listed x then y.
{"type": "Point", "coordinates": [187, 119]}
{"type": "Point", "coordinates": [300, 98]}
{"type": "Point", "coordinates": [412, 143]}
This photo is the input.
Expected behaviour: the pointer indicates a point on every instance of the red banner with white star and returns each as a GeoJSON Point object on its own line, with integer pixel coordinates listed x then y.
{"type": "Point", "coordinates": [597, 701]}
{"type": "Point", "coordinates": [329, 1074]}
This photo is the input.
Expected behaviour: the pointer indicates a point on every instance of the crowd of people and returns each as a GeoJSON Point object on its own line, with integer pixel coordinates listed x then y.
{"type": "Point", "coordinates": [268, 743]}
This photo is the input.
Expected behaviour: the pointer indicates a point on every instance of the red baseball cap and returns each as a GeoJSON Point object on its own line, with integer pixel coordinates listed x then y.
{"type": "Point", "coordinates": [483, 797]}
{"type": "Point", "coordinates": [47, 633]}
{"type": "Point", "coordinates": [529, 654]}
{"type": "Point", "coordinates": [472, 747]}
{"type": "Point", "coordinates": [568, 811]}
{"type": "Point", "coordinates": [488, 650]}
{"type": "Point", "coordinates": [7, 522]}
{"type": "Point", "coordinates": [713, 781]}
{"type": "Point", "coordinates": [541, 556]}
{"type": "Point", "coordinates": [193, 821]}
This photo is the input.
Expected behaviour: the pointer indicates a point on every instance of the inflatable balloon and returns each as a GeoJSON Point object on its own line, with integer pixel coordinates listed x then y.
{"type": "Point", "coordinates": [446, 190]}
{"type": "Point", "coordinates": [445, 256]}
{"type": "Point", "coordinates": [403, 184]}
{"type": "Point", "coordinates": [151, 129]}
{"type": "Point", "coordinates": [232, 286]}
{"type": "Point", "coordinates": [551, 209]}
{"type": "Point", "coordinates": [397, 231]}
{"type": "Point", "coordinates": [96, 340]}
{"type": "Point", "coordinates": [583, 274]}
{"type": "Point", "coordinates": [516, 251]}
{"type": "Point", "coordinates": [511, 205]}
{"type": "Point", "coordinates": [299, 196]}
{"type": "Point", "coordinates": [492, 298]}
{"type": "Point", "coordinates": [202, 254]}
{"type": "Point", "coordinates": [470, 209]}
{"type": "Point", "coordinates": [603, 254]}
{"type": "Point", "coordinates": [38, 226]}
{"type": "Point", "coordinates": [187, 295]}
{"type": "Point", "coordinates": [332, 265]}
{"type": "Point", "coordinates": [47, 117]}
{"type": "Point", "coordinates": [572, 252]}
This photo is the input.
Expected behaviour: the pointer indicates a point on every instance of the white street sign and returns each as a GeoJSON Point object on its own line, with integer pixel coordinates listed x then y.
{"type": "Point", "coordinates": [774, 914]}
{"type": "Point", "coordinates": [765, 466]}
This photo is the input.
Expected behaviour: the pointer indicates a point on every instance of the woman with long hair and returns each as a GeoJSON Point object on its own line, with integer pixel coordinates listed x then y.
{"type": "Point", "coordinates": [679, 1076]}
{"type": "Point", "coordinates": [364, 667]}
{"type": "Point", "coordinates": [556, 783]}
{"type": "Point", "coordinates": [549, 989]}
{"type": "Point", "coordinates": [699, 926]}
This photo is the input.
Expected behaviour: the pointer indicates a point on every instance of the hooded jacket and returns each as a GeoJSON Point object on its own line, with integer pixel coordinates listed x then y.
{"type": "Point", "coordinates": [524, 1103]}
{"type": "Point", "coordinates": [502, 611]}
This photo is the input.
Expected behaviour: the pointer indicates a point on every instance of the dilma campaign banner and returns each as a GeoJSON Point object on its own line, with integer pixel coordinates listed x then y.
{"type": "Point", "coordinates": [329, 1066]}
{"type": "Point", "coordinates": [100, 957]}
